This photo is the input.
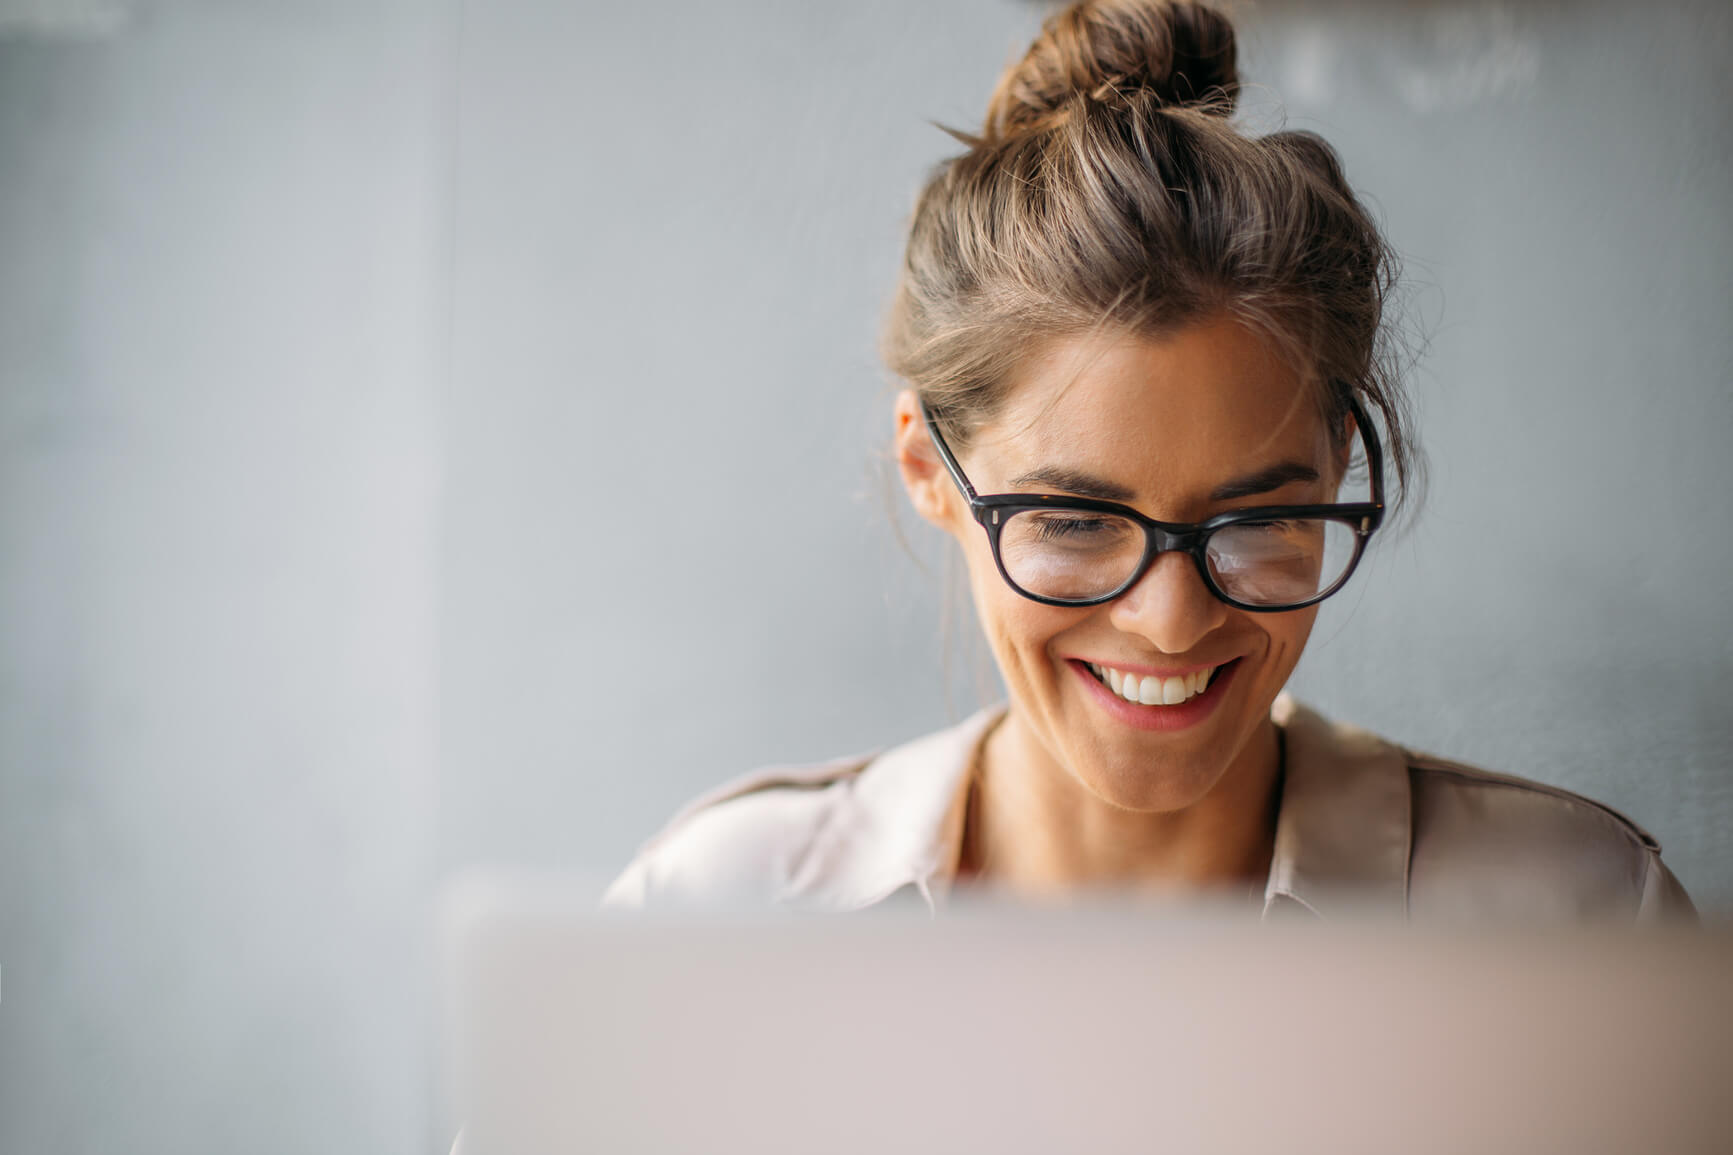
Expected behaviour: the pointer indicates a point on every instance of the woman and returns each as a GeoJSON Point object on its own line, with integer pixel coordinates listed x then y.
{"type": "Point", "coordinates": [1141, 348]}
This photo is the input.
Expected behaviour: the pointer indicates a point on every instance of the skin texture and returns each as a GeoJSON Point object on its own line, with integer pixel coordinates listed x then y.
{"type": "Point", "coordinates": [1067, 794]}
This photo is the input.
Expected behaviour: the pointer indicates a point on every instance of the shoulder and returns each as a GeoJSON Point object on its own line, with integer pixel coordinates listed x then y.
{"type": "Point", "coordinates": [1371, 824]}
{"type": "Point", "coordinates": [739, 842]}
{"type": "Point", "coordinates": [832, 835]}
{"type": "Point", "coordinates": [1487, 844]}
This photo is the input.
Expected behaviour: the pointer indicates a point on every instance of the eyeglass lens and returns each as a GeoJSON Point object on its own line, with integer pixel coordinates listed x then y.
{"type": "Point", "coordinates": [1076, 555]}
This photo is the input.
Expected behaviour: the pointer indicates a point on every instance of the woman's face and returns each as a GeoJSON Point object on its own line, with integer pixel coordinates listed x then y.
{"type": "Point", "coordinates": [1182, 427]}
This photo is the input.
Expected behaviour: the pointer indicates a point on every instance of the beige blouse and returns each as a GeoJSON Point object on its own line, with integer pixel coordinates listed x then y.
{"type": "Point", "coordinates": [1366, 828]}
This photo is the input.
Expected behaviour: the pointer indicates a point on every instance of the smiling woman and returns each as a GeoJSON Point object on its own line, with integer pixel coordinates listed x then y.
{"type": "Point", "coordinates": [1140, 348]}
{"type": "Point", "coordinates": [1172, 422]}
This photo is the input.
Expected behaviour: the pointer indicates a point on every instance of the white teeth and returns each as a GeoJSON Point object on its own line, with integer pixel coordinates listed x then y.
{"type": "Point", "coordinates": [1151, 690]}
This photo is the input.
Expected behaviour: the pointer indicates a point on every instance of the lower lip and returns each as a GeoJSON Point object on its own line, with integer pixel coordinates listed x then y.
{"type": "Point", "coordinates": [1163, 718]}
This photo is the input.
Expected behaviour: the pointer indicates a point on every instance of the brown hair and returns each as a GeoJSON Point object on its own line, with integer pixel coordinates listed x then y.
{"type": "Point", "coordinates": [1109, 187]}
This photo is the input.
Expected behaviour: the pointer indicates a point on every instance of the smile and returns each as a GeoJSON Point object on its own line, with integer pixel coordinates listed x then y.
{"type": "Point", "coordinates": [1172, 690]}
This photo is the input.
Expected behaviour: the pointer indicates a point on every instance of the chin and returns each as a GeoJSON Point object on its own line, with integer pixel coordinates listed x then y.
{"type": "Point", "coordinates": [1148, 786]}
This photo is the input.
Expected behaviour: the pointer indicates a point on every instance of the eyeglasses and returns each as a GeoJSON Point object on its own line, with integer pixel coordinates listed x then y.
{"type": "Point", "coordinates": [1077, 551]}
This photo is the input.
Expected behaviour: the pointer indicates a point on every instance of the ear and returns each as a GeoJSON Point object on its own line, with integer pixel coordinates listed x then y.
{"type": "Point", "coordinates": [930, 488]}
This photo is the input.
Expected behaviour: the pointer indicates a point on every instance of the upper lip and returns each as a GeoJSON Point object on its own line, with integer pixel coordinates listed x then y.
{"type": "Point", "coordinates": [1153, 671]}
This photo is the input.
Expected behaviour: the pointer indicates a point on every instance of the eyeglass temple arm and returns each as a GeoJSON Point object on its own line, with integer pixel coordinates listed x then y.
{"type": "Point", "coordinates": [945, 453]}
{"type": "Point", "coordinates": [1374, 456]}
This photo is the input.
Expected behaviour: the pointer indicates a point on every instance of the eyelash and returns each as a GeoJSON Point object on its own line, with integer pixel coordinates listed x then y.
{"type": "Point", "coordinates": [1051, 527]}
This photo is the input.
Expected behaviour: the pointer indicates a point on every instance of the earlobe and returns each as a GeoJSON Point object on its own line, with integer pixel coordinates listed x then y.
{"type": "Point", "coordinates": [924, 477]}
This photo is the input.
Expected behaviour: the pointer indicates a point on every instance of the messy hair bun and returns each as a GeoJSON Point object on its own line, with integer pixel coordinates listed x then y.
{"type": "Point", "coordinates": [1177, 53]}
{"type": "Point", "coordinates": [1110, 186]}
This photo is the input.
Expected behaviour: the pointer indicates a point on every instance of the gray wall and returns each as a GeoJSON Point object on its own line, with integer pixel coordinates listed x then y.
{"type": "Point", "coordinates": [358, 362]}
{"type": "Point", "coordinates": [221, 322]}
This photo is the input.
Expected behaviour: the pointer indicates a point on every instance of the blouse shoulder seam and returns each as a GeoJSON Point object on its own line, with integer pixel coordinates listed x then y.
{"type": "Point", "coordinates": [812, 778]}
{"type": "Point", "coordinates": [1474, 775]}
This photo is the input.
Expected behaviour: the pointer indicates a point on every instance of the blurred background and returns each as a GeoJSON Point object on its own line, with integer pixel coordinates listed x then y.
{"type": "Point", "coordinates": [437, 433]}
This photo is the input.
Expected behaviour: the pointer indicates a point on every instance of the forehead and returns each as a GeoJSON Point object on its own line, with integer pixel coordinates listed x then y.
{"type": "Point", "coordinates": [1170, 413]}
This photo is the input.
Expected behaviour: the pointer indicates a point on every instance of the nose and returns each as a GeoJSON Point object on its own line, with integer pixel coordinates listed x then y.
{"type": "Point", "coordinates": [1169, 606]}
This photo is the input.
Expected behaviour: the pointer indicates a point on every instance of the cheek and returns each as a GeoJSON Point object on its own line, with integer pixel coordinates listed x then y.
{"type": "Point", "coordinates": [1018, 629]}
{"type": "Point", "coordinates": [1287, 634]}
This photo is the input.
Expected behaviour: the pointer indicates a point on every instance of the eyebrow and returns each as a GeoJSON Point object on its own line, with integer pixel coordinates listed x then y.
{"type": "Point", "coordinates": [1073, 481]}
{"type": "Point", "coordinates": [1264, 481]}
{"type": "Point", "coordinates": [1088, 485]}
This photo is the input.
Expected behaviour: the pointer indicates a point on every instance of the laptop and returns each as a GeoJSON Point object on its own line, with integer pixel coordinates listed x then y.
{"type": "Point", "coordinates": [1116, 1026]}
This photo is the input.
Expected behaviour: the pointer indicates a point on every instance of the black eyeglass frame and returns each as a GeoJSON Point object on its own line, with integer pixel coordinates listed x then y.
{"type": "Point", "coordinates": [1159, 537]}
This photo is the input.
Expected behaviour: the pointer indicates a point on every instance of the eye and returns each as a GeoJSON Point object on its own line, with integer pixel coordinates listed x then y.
{"type": "Point", "coordinates": [1076, 532]}
{"type": "Point", "coordinates": [1073, 526]}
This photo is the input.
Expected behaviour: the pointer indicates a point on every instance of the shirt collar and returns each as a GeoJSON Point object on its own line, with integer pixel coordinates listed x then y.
{"type": "Point", "coordinates": [1345, 826]}
{"type": "Point", "coordinates": [1342, 834]}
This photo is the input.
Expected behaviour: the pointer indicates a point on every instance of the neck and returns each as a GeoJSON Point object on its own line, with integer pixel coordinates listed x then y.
{"type": "Point", "coordinates": [1036, 830]}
